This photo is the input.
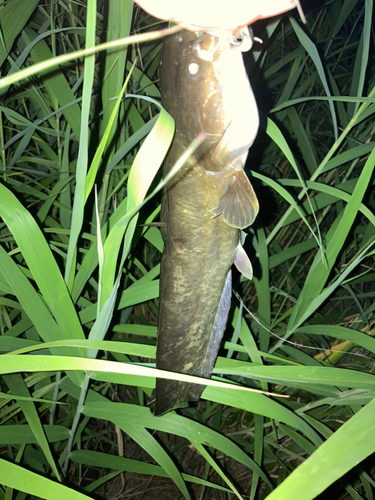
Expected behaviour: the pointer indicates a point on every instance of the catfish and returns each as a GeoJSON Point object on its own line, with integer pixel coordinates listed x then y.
{"type": "Point", "coordinates": [205, 206]}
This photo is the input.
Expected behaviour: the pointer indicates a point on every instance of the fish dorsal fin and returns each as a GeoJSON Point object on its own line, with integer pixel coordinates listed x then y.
{"type": "Point", "coordinates": [239, 204]}
{"type": "Point", "coordinates": [242, 262]}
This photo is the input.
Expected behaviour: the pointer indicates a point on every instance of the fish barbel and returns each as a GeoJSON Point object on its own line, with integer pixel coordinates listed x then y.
{"type": "Point", "coordinates": [205, 88]}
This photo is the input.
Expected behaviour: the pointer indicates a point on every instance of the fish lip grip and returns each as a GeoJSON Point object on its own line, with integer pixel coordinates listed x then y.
{"type": "Point", "coordinates": [243, 39]}
{"type": "Point", "coordinates": [207, 46]}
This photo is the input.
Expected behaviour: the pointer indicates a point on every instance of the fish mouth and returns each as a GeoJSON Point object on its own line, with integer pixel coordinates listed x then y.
{"type": "Point", "coordinates": [209, 47]}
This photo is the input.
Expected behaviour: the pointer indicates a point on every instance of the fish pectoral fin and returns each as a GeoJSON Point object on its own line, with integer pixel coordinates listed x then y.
{"type": "Point", "coordinates": [242, 262]}
{"type": "Point", "coordinates": [239, 204]}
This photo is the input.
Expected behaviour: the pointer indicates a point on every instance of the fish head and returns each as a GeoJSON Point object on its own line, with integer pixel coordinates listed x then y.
{"type": "Point", "coordinates": [206, 89]}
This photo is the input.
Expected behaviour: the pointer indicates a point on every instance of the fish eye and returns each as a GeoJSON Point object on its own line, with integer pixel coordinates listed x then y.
{"type": "Point", "coordinates": [192, 68]}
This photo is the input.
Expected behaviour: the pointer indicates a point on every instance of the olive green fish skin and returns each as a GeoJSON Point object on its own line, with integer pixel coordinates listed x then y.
{"type": "Point", "coordinates": [199, 245]}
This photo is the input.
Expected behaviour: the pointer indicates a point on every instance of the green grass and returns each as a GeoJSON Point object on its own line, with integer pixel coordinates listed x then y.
{"type": "Point", "coordinates": [290, 407]}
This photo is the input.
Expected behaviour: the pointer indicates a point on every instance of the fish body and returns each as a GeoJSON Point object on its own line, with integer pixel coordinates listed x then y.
{"type": "Point", "coordinates": [204, 207]}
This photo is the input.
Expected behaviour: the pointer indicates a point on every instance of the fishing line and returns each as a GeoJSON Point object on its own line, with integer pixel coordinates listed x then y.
{"type": "Point", "coordinates": [324, 349]}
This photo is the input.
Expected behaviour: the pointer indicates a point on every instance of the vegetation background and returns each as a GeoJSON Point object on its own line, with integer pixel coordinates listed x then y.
{"type": "Point", "coordinates": [82, 140]}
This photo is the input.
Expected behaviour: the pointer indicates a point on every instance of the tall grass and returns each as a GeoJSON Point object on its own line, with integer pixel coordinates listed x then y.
{"type": "Point", "coordinates": [82, 139]}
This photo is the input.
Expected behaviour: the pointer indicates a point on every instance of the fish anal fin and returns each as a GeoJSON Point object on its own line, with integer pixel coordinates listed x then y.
{"type": "Point", "coordinates": [218, 325]}
{"type": "Point", "coordinates": [239, 204]}
{"type": "Point", "coordinates": [242, 262]}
